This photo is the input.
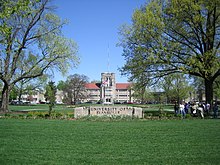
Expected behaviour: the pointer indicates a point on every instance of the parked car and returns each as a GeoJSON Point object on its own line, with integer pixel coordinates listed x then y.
{"type": "Point", "coordinates": [117, 103]}
{"type": "Point", "coordinates": [16, 102]}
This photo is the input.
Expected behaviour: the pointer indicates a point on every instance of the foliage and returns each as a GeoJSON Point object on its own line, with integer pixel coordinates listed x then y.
{"type": "Point", "coordinates": [108, 118]}
{"type": "Point", "coordinates": [217, 88]}
{"type": "Point", "coordinates": [74, 88]}
{"type": "Point", "coordinates": [176, 87]}
{"type": "Point", "coordinates": [50, 95]}
{"type": "Point", "coordinates": [61, 85]}
{"type": "Point", "coordinates": [169, 37]}
{"type": "Point", "coordinates": [39, 115]}
{"type": "Point", "coordinates": [145, 95]}
{"type": "Point", "coordinates": [31, 86]}
{"type": "Point", "coordinates": [199, 88]}
{"type": "Point", "coordinates": [31, 43]}
{"type": "Point", "coordinates": [140, 85]}
{"type": "Point", "coordinates": [13, 94]}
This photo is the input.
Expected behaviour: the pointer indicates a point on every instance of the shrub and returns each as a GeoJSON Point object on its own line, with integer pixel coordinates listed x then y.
{"type": "Point", "coordinates": [108, 118]}
{"type": "Point", "coordinates": [170, 115]}
{"type": "Point", "coordinates": [29, 115]}
{"type": "Point", "coordinates": [40, 114]}
{"type": "Point", "coordinates": [188, 116]}
{"type": "Point", "coordinates": [7, 115]}
{"type": "Point", "coordinates": [70, 115]}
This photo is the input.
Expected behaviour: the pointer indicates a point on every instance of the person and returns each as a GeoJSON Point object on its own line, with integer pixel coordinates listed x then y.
{"type": "Point", "coordinates": [176, 108]}
{"type": "Point", "coordinates": [182, 110]}
{"type": "Point", "coordinates": [201, 110]}
{"type": "Point", "coordinates": [215, 111]}
{"type": "Point", "coordinates": [194, 109]}
{"type": "Point", "coordinates": [187, 107]}
{"type": "Point", "coordinates": [207, 108]}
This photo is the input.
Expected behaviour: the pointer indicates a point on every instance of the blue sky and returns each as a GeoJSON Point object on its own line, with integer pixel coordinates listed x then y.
{"type": "Point", "coordinates": [93, 25]}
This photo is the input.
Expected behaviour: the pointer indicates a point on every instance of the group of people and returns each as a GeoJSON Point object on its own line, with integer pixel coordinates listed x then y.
{"type": "Point", "coordinates": [195, 109]}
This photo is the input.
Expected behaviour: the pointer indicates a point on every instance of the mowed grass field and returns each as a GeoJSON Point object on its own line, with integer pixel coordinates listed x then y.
{"type": "Point", "coordinates": [24, 141]}
{"type": "Point", "coordinates": [38, 107]}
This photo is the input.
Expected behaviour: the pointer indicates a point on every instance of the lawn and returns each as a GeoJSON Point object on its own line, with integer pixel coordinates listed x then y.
{"type": "Point", "coordinates": [39, 107]}
{"type": "Point", "coordinates": [122, 142]}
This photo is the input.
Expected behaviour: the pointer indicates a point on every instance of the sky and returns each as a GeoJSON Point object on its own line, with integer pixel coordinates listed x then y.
{"type": "Point", "coordinates": [94, 26]}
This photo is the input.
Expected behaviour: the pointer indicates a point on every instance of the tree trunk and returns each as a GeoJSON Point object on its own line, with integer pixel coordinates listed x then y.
{"type": "Point", "coordinates": [5, 98]}
{"type": "Point", "coordinates": [209, 91]}
{"type": "Point", "coordinates": [50, 109]}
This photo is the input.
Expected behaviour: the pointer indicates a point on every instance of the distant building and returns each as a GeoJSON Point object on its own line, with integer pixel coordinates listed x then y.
{"type": "Point", "coordinates": [38, 97]}
{"type": "Point", "coordinates": [108, 91]}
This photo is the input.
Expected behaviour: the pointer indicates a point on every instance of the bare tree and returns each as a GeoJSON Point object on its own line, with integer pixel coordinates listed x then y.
{"type": "Point", "coordinates": [74, 88]}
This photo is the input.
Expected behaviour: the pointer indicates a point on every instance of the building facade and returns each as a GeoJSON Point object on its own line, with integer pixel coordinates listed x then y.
{"type": "Point", "coordinates": [108, 91]}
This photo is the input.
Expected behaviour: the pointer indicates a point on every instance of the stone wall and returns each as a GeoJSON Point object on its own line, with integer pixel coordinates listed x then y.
{"type": "Point", "coordinates": [109, 111]}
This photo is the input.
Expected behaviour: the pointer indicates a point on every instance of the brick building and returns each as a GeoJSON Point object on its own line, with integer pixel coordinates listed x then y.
{"type": "Point", "coordinates": [108, 91]}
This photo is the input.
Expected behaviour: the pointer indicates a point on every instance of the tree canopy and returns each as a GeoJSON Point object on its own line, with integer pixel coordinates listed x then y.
{"type": "Point", "coordinates": [74, 88]}
{"type": "Point", "coordinates": [31, 43]}
{"type": "Point", "coordinates": [167, 37]}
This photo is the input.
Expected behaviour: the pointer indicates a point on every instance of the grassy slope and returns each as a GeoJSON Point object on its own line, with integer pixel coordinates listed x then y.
{"type": "Point", "coordinates": [133, 142]}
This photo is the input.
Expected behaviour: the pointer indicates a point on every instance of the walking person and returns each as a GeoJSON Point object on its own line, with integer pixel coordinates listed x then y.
{"type": "Point", "coordinates": [207, 108]}
{"type": "Point", "coordinates": [176, 108]}
{"type": "Point", "coordinates": [201, 110]}
{"type": "Point", "coordinates": [215, 111]}
{"type": "Point", "coordinates": [187, 105]}
{"type": "Point", "coordinates": [182, 110]}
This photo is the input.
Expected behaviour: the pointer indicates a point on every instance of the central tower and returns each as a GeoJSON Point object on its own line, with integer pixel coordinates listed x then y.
{"type": "Point", "coordinates": [108, 88]}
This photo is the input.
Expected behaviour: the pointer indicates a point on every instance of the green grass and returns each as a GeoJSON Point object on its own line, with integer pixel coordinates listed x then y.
{"type": "Point", "coordinates": [39, 107]}
{"type": "Point", "coordinates": [127, 142]}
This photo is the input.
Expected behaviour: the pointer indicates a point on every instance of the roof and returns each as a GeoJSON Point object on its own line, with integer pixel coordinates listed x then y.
{"type": "Point", "coordinates": [123, 85]}
{"type": "Point", "coordinates": [97, 85]}
{"type": "Point", "coordinates": [92, 85]}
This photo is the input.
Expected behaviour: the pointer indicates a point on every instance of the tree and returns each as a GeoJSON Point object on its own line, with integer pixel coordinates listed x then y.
{"type": "Point", "coordinates": [176, 87]}
{"type": "Point", "coordinates": [61, 85]}
{"type": "Point", "coordinates": [31, 43]}
{"type": "Point", "coordinates": [140, 86]}
{"type": "Point", "coordinates": [50, 95]}
{"type": "Point", "coordinates": [74, 88]}
{"type": "Point", "coordinates": [199, 88]}
{"type": "Point", "coordinates": [31, 86]}
{"type": "Point", "coordinates": [144, 95]}
{"type": "Point", "coordinates": [169, 37]}
{"type": "Point", "coordinates": [217, 88]}
{"type": "Point", "coordinates": [13, 94]}
{"type": "Point", "coordinates": [95, 81]}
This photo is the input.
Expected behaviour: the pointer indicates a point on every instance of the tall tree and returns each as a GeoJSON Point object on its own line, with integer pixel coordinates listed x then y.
{"type": "Point", "coordinates": [175, 36]}
{"type": "Point", "coordinates": [176, 87]}
{"type": "Point", "coordinates": [31, 43]}
{"type": "Point", "coordinates": [74, 88]}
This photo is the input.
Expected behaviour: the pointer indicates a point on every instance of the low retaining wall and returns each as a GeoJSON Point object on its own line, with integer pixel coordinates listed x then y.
{"type": "Point", "coordinates": [108, 111]}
